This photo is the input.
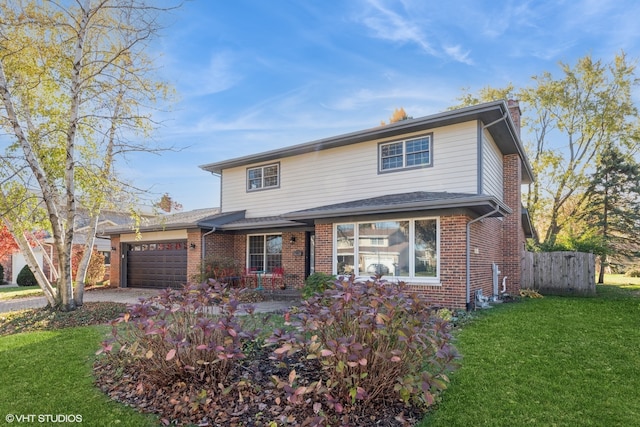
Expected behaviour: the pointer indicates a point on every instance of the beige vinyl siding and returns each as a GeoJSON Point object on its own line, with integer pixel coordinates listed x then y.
{"type": "Point", "coordinates": [350, 173]}
{"type": "Point", "coordinates": [492, 167]}
{"type": "Point", "coordinates": [154, 235]}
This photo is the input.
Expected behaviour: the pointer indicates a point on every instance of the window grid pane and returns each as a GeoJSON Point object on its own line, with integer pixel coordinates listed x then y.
{"type": "Point", "coordinates": [263, 177]}
{"type": "Point", "coordinates": [398, 155]}
{"type": "Point", "coordinates": [391, 155]}
{"type": "Point", "coordinates": [418, 159]}
{"type": "Point", "coordinates": [256, 252]}
{"type": "Point", "coordinates": [392, 162]}
{"type": "Point", "coordinates": [417, 145]}
{"type": "Point", "coordinates": [271, 181]}
{"type": "Point", "coordinates": [260, 260]}
{"type": "Point", "coordinates": [274, 253]}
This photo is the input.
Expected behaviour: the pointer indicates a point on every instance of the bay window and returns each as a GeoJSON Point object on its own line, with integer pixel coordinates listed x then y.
{"type": "Point", "coordinates": [405, 249]}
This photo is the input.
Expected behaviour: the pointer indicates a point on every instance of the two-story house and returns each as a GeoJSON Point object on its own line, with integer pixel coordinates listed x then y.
{"type": "Point", "coordinates": [433, 201]}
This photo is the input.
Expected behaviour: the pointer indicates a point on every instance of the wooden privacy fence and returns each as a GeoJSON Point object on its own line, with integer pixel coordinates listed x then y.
{"type": "Point", "coordinates": [559, 273]}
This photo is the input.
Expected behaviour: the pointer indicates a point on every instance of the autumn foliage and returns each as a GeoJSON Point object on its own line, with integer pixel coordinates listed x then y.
{"type": "Point", "coordinates": [96, 270]}
{"type": "Point", "coordinates": [7, 243]}
{"type": "Point", "coordinates": [398, 115]}
{"type": "Point", "coordinates": [358, 352]}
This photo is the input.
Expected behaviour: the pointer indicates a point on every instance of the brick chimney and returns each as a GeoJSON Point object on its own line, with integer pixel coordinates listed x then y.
{"type": "Point", "coordinates": [514, 110]}
{"type": "Point", "coordinates": [512, 234]}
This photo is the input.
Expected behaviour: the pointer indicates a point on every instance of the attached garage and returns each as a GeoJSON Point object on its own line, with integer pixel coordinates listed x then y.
{"type": "Point", "coordinates": [156, 264]}
{"type": "Point", "coordinates": [162, 252]}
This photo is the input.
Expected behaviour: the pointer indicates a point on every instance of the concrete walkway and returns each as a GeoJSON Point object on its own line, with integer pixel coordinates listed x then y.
{"type": "Point", "coordinates": [126, 296]}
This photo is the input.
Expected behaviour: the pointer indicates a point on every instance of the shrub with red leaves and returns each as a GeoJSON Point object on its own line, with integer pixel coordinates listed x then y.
{"type": "Point", "coordinates": [181, 335]}
{"type": "Point", "coordinates": [374, 341]}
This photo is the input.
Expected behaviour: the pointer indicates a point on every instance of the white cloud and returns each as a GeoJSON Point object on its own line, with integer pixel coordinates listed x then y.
{"type": "Point", "coordinates": [218, 75]}
{"type": "Point", "coordinates": [457, 54]}
{"type": "Point", "coordinates": [389, 25]}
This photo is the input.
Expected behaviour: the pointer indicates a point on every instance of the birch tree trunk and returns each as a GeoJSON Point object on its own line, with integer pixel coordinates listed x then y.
{"type": "Point", "coordinates": [25, 248]}
{"type": "Point", "coordinates": [81, 275]}
{"type": "Point", "coordinates": [75, 83]}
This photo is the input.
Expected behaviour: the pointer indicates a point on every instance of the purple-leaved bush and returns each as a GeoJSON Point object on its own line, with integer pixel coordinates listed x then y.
{"type": "Point", "coordinates": [374, 341]}
{"type": "Point", "coordinates": [191, 333]}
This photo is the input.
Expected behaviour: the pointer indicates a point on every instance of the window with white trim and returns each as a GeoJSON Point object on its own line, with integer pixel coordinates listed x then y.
{"type": "Point", "coordinates": [263, 177]}
{"type": "Point", "coordinates": [264, 252]}
{"type": "Point", "coordinates": [411, 153]}
{"type": "Point", "coordinates": [410, 251]}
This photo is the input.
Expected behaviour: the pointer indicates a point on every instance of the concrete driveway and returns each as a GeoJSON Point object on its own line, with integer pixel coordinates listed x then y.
{"type": "Point", "coordinates": [123, 295]}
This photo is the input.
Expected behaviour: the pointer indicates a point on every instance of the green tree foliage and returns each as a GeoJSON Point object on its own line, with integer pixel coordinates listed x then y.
{"type": "Point", "coordinates": [26, 277]}
{"type": "Point", "coordinates": [568, 122]}
{"type": "Point", "coordinates": [613, 205]}
{"type": "Point", "coordinates": [76, 87]}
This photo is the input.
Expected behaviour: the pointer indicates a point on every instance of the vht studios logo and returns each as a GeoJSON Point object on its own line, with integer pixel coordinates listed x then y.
{"type": "Point", "coordinates": [43, 418]}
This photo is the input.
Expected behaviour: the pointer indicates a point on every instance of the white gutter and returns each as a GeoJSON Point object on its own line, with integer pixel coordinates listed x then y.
{"type": "Point", "coordinates": [497, 209]}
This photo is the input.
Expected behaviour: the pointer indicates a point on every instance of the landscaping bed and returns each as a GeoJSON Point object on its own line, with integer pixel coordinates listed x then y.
{"type": "Point", "coordinates": [359, 355]}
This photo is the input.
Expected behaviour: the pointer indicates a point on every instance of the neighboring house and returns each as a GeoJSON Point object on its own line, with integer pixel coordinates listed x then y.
{"type": "Point", "coordinates": [433, 201]}
{"type": "Point", "coordinates": [45, 250]}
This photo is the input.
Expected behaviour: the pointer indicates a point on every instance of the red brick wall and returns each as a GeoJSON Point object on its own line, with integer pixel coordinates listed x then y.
{"type": "Point", "coordinates": [116, 258]}
{"type": "Point", "coordinates": [324, 248]}
{"type": "Point", "coordinates": [512, 235]}
{"type": "Point", "coordinates": [236, 246]}
{"type": "Point", "coordinates": [293, 258]}
{"type": "Point", "coordinates": [220, 244]}
{"type": "Point", "coordinates": [485, 249]}
{"type": "Point", "coordinates": [194, 254]}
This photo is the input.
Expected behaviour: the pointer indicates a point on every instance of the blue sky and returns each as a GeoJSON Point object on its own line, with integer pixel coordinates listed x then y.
{"type": "Point", "coordinates": [254, 75]}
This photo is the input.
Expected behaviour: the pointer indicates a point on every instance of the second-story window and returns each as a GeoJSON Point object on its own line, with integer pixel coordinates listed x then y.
{"type": "Point", "coordinates": [405, 154]}
{"type": "Point", "coordinates": [263, 177]}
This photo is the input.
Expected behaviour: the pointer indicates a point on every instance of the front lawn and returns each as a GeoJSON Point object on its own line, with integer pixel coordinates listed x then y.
{"type": "Point", "coordinates": [13, 292]}
{"type": "Point", "coordinates": [556, 361]}
{"type": "Point", "coordinates": [48, 373]}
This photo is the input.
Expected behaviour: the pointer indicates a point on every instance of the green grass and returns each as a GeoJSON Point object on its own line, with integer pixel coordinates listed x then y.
{"type": "Point", "coordinates": [556, 361]}
{"type": "Point", "coordinates": [623, 281]}
{"type": "Point", "coordinates": [49, 372]}
{"type": "Point", "coordinates": [12, 292]}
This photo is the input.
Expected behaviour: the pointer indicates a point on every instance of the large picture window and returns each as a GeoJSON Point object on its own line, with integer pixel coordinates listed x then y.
{"type": "Point", "coordinates": [263, 177]}
{"type": "Point", "coordinates": [264, 252]}
{"type": "Point", "coordinates": [405, 154]}
{"type": "Point", "coordinates": [406, 249]}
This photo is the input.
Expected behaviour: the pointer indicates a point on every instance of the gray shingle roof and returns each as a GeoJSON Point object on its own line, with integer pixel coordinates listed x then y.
{"type": "Point", "coordinates": [496, 113]}
{"type": "Point", "coordinates": [403, 202]}
{"type": "Point", "coordinates": [261, 222]}
{"type": "Point", "coordinates": [188, 219]}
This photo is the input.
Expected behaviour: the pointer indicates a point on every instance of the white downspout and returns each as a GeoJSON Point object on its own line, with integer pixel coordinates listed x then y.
{"type": "Point", "coordinates": [504, 117]}
{"type": "Point", "coordinates": [203, 245]}
{"type": "Point", "coordinates": [497, 208]}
